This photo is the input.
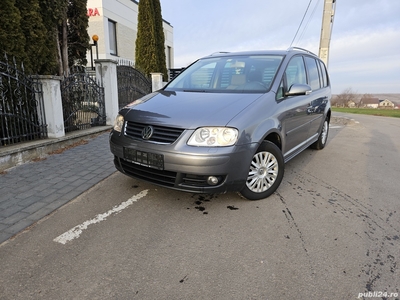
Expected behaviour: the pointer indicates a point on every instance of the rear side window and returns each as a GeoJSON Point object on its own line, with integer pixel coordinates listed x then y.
{"type": "Point", "coordinates": [313, 75]}
{"type": "Point", "coordinates": [324, 75]}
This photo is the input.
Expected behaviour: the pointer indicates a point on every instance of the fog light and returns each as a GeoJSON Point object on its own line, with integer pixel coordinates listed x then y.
{"type": "Point", "coordinates": [212, 180]}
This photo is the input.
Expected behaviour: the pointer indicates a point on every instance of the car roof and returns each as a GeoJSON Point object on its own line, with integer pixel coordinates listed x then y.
{"type": "Point", "coordinates": [293, 50]}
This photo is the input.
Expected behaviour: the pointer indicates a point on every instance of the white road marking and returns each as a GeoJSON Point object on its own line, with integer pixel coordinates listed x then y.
{"type": "Point", "coordinates": [335, 127]}
{"type": "Point", "coordinates": [75, 232]}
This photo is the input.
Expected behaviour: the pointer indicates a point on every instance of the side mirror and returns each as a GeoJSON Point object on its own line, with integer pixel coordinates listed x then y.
{"type": "Point", "coordinates": [299, 90]}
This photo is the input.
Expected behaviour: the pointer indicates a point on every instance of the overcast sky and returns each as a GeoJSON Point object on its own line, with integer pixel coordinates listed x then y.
{"type": "Point", "coordinates": [365, 44]}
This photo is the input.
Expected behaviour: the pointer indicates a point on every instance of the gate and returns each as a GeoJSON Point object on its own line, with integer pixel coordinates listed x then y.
{"type": "Point", "coordinates": [132, 85]}
{"type": "Point", "coordinates": [83, 101]}
{"type": "Point", "coordinates": [22, 115]}
{"type": "Point", "coordinates": [174, 72]}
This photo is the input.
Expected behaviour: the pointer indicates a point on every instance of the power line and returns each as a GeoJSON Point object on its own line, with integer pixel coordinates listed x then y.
{"type": "Point", "coordinates": [308, 22]}
{"type": "Point", "coordinates": [301, 23]}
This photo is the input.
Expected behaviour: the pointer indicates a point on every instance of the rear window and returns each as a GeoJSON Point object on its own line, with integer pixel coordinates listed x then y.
{"type": "Point", "coordinates": [229, 74]}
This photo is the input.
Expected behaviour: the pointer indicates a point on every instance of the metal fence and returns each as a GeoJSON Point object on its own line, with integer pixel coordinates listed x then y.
{"type": "Point", "coordinates": [82, 100]}
{"type": "Point", "coordinates": [132, 84]}
{"type": "Point", "coordinates": [174, 72]}
{"type": "Point", "coordinates": [22, 115]}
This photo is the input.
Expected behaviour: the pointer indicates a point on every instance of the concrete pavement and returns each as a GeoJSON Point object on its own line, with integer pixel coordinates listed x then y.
{"type": "Point", "coordinates": [31, 191]}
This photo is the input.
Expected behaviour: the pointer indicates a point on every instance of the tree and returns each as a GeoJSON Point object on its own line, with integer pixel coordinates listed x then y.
{"type": "Point", "coordinates": [32, 27]}
{"type": "Point", "coordinates": [67, 39]}
{"type": "Point", "coordinates": [48, 36]}
{"type": "Point", "coordinates": [78, 37]}
{"type": "Point", "coordinates": [150, 49]}
{"type": "Point", "coordinates": [12, 39]}
{"type": "Point", "coordinates": [344, 98]}
{"type": "Point", "coordinates": [51, 13]}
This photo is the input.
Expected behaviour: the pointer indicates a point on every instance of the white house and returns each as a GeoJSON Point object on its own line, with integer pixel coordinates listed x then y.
{"type": "Point", "coordinates": [115, 23]}
{"type": "Point", "coordinates": [369, 102]}
{"type": "Point", "coordinates": [386, 104]}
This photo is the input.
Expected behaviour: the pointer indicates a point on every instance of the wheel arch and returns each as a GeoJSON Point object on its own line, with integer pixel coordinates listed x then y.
{"type": "Point", "coordinates": [274, 138]}
{"type": "Point", "coordinates": [328, 115]}
{"type": "Point", "coordinates": [268, 130]}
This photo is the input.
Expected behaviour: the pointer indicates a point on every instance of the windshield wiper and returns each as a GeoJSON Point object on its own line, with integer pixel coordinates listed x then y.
{"type": "Point", "coordinates": [197, 91]}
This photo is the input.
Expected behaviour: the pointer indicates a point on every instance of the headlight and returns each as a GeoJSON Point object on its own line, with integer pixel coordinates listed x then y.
{"type": "Point", "coordinates": [118, 123]}
{"type": "Point", "coordinates": [214, 137]}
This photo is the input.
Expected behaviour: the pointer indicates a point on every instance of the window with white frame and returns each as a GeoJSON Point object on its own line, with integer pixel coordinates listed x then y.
{"type": "Point", "coordinates": [112, 31]}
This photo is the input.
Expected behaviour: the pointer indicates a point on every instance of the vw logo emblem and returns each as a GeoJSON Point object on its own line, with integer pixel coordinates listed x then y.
{"type": "Point", "coordinates": [147, 132]}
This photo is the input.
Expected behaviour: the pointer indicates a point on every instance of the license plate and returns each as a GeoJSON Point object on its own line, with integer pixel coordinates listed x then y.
{"type": "Point", "coordinates": [147, 159]}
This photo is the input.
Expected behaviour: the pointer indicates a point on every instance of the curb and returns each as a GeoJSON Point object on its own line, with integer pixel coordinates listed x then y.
{"type": "Point", "coordinates": [15, 155]}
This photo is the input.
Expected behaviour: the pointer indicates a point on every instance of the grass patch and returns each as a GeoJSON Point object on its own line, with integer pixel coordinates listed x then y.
{"type": "Point", "coordinates": [395, 113]}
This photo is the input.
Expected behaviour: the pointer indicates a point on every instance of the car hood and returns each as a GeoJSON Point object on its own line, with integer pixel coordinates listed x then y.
{"type": "Point", "coordinates": [187, 110]}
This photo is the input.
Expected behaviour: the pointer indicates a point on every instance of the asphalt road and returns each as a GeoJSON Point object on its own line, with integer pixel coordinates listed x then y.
{"type": "Point", "coordinates": [332, 231]}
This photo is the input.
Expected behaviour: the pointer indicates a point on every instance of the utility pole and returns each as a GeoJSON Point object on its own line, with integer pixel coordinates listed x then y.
{"type": "Point", "coordinates": [326, 30]}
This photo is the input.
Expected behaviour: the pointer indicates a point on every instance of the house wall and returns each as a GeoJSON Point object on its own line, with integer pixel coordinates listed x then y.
{"type": "Point", "coordinates": [371, 105]}
{"type": "Point", "coordinates": [351, 104]}
{"type": "Point", "coordinates": [125, 15]}
{"type": "Point", "coordinates": [386, 104]}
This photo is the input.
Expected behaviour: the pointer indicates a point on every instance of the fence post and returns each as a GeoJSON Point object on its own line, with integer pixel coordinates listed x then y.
{"type": "Point", "coordinates": [53, 109]}
{"type": "Point", "coordinates": [106, 74]}
{"type": "Point", "coordinates": [156, 81]}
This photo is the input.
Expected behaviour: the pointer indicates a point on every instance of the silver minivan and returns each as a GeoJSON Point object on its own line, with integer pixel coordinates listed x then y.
{"type": "Point", "coordinates": [228, 122]}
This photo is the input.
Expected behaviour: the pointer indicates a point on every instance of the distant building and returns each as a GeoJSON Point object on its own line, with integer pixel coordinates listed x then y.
{"type": "Point", "coordinates": [351, 104]}
{"type": "Point", "coordinates": [369, 102]}
{"type": "Point", "coordinates": [386, 104]}
{"type": "Point", "coordinates": [115, 24]}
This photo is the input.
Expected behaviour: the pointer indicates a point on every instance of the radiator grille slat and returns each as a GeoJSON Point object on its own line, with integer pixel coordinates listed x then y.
{"type": "Point", "coordinates": [164, 135]}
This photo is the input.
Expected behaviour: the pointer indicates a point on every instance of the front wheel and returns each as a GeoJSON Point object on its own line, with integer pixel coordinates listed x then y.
{"type": "Point", "coordinates": [265, 172]}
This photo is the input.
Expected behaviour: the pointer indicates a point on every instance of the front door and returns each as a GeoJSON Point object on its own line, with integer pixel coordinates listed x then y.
{"type": "Point", "coordinates": [295, 121]}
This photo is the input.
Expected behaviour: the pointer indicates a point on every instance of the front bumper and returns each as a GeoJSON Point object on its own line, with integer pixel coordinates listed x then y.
{"type": "Point", "coordinates": [187, 168]}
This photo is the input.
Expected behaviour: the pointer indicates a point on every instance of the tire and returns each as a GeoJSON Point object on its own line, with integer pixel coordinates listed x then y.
{"type": "Point", "coordinates": [323, 136]}
{"type": "Point", "coordinates": [265, 172]}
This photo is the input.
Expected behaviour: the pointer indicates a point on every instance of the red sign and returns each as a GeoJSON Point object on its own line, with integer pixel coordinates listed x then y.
{"type": "Point", "coordinates": [93, 12]}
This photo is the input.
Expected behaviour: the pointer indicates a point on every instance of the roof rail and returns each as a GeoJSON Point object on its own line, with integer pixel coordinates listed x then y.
{"type": "Point", "coordinates": [301, 49]}
{"type": "Point", "coordinates": [220, 52]}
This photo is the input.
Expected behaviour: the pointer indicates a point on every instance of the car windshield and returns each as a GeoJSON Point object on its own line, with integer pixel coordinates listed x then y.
{"type": "Point", "coordinates": [233, 74]}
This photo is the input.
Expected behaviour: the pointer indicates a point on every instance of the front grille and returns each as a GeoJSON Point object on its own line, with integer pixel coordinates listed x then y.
{"type": "Point", "coordinates": [161, 177]}
{"type": "Point", "coordinates": [163, 135]}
